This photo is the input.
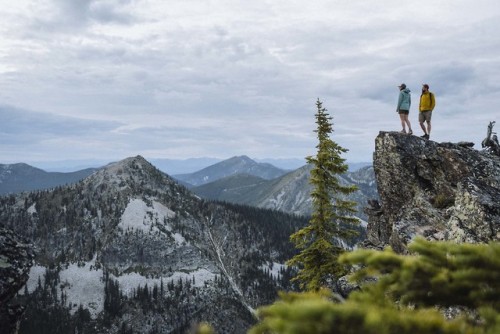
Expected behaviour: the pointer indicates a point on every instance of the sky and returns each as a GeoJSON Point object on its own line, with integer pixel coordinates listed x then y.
{"type": "Point", "coordinates": [110, 79]}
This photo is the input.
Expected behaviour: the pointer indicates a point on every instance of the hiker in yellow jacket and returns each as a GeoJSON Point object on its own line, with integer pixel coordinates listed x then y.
{"type": "Point", "coordinates": [427, 104]}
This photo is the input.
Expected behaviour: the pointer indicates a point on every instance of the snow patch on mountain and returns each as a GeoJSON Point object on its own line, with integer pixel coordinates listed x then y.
{"type": "Point", "coordinates": [36, 271]}
{"type": "Point", "coordinates": [84, 285]}
{"type": "Point", "coordinates": [138, 215]}
{"type": "Point", "coordinates": [278, 201]}
{"type": "Point", "coordinates": [273, 268]}
{"type": "Point", "coordinates": [129, 282]}
{"type": "Point", "coordinates": [32, 209]}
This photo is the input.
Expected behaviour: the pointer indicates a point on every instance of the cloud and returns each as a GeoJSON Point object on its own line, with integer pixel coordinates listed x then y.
{"type": "Point", "coordinates": [64, 17]}
{"type": "Point", "coordinates": [23, 123]}
{"type": "Point", "coordinates": [224, 78]}
{"type": "Point", "coordinates": [32, 133]}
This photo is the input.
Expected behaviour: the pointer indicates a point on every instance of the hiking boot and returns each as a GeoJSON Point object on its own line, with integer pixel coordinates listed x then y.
{"type": "Point", "coordinates": [424, 136]}
{"type": "Point", "coordinates": [410, 132]}
{"type": "Point", "coordinates": [403, 131]}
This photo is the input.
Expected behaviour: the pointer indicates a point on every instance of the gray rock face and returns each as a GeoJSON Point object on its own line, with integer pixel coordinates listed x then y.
{"type": "Point", "coordinates": [442, 191]}
{"type": "Point", "coordinates": [16, 259]}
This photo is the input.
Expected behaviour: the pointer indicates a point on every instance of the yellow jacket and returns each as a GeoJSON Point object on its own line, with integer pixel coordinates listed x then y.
{"type": "Point", "coordinates": [427, 102]}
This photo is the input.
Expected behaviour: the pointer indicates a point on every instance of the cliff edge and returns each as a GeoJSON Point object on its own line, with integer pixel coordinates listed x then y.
{"type": "Point", "coordinates": [441, 191]}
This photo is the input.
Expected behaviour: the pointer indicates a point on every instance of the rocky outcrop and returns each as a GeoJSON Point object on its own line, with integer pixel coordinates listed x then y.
{"type": "Point", "coordinates": [442, 191]}
{"type": "Point", "coordinates": [16, 259]}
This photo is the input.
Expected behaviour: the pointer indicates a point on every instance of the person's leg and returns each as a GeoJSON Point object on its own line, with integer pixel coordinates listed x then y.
{"type": "Point", "coordinates": [423, 127]}
{"type": "Point", "coordinates": [428, 119]}
{"type": "Point", "coordinates": [421, 120]}
{"type": "Point", "coordinates": [403, 124]}
{"type": "Point", "coordinates": [407, 121]}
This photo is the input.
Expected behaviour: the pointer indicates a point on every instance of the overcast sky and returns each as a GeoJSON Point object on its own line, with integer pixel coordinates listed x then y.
{"type": "Point", "coordinates": [83, 79]}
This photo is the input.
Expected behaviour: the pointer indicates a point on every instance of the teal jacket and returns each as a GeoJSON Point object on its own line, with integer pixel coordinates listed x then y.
{"type": "Point", "coordinates": [404, 101]}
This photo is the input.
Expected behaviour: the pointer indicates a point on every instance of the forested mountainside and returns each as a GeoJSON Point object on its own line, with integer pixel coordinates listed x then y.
{"type": "Point", "coordinates": [129, 250]}
{"type": "Point", "coordinates": [15, 262]}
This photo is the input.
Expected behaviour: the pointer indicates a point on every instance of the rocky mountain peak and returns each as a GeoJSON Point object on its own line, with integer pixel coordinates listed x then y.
{"type": "Point", "coordinates": [243, 158]}
{"type": "Point", "coordinates": [442, 191]}
{"type": "Point", "coordinates": [129, 166]}
{"type": "Point", "coordinates": [130, 173]}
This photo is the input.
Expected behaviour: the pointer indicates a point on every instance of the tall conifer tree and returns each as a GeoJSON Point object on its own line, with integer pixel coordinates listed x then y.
{"type": "Point", "coordinates": [319, 241]}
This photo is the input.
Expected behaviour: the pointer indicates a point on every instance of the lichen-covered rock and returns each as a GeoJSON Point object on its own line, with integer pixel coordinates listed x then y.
{"type": "Point", "coordinates": [16, 259]}
{"type": "Point", "coordinates": [345, 287]}
{"type": "Point", "coordinates": [442, 191]}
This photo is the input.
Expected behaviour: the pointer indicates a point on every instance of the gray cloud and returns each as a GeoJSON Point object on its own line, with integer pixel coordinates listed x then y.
{"type": "Point", "coordinates": [187, 79]}
{"type": "Point", "coordinates": [35, 124]}
{"type": "Point", "coordinates": [65, 17]}
{"type": "Point", "coordinates": [26, 134]}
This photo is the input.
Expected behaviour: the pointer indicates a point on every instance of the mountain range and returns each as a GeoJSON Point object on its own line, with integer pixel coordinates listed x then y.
{"type": "Point", "coordinates": [238, 180]}
{"type": "Point", "coordinates": [129, 242]}
{"type": "Point", "coordinates": [288, 193]}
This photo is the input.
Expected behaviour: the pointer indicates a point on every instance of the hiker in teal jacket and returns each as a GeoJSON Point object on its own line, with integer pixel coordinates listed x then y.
{"type": "Point", "coordinates": [403, 109]}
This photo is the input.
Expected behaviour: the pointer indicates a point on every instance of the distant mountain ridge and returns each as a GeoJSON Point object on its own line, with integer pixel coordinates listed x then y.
{"type": "Point", "coordinates": [19, 177]}
{"type": "Point", "coordinates": [289, 193]}
{"type": "Point", "coordinates": [236, 188]}
{"type": "Point", "coordinates": [232, 166]}
{"type": "Point", "coordinates": [238, 180]}
{"type": "Point", "coordinates": [185, 166]}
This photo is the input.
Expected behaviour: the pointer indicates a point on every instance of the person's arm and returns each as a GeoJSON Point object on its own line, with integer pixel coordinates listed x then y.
{"type": "Point", "coordinates": [400, 99]}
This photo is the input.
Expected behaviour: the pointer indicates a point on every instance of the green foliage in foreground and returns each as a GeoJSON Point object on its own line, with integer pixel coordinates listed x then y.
{"type": "Point", "coordinates": [408, 296]}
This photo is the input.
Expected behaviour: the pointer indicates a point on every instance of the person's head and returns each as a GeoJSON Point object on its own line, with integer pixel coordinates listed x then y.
{"type": "Point", "coordinates": [402, 86]}
{"type": "Point", "coordinates": [425, 88]}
